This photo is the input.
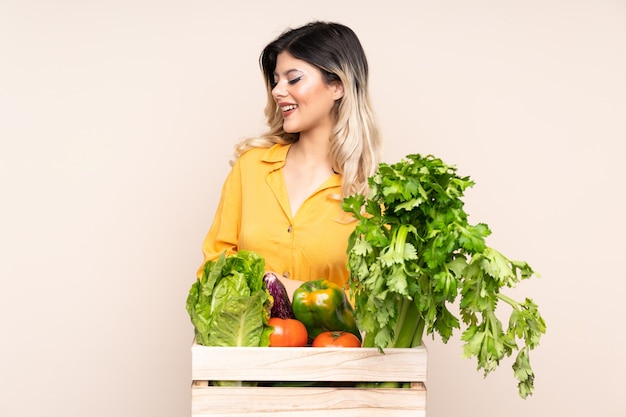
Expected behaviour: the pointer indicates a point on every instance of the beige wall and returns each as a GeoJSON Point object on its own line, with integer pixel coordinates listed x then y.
{"type": "Point", "coordinates": [117, 119]}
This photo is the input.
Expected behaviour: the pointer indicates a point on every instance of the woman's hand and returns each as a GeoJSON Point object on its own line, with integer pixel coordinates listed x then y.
{"type": "Point", "coordinates": [290, 285]}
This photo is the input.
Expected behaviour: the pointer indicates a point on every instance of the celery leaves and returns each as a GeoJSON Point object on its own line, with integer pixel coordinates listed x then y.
{"type": "Point", "coordinates": [413, 253]}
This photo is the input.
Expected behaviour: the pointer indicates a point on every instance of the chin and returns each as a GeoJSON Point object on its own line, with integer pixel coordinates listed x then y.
{"type": "Point", "coordinates": [288, 129]}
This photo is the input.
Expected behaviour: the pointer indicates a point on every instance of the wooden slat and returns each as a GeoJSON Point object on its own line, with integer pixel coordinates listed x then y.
{"type": "Point", "coordinates": [308, 364]}
{"type": "Point", "coordinates": [308, 402]}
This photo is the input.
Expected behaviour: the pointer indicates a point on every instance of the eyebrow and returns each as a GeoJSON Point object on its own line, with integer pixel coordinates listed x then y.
{"type": "Point", "coordinates": [289, 71]}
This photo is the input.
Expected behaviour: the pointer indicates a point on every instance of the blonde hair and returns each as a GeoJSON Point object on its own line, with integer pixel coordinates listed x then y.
{"type": "Point", "coordinates": [356, 143]}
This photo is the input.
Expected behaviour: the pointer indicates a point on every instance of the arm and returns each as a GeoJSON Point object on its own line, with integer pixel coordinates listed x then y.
{"type": "Point", "coordinates": [223, 234]}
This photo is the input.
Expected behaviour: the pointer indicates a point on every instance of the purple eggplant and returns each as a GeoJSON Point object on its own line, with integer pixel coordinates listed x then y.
{"type": "Point", "coordinates": [282, 305]}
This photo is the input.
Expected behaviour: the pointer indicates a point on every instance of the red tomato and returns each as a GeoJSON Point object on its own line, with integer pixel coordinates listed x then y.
{"type": "Point", "coordinates": [288, 333]}
{"type": "Point", "coordinates": [336, 339]}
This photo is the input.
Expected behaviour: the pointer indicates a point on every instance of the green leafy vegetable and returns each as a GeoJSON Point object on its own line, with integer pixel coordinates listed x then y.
{"type": "Point", "coordinates": [229, 304]}
{"type": "Point", "coordinates": [414, 252]}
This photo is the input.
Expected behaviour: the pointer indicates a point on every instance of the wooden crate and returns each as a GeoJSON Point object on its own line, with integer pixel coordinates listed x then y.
{"type": "Point", "coordinates": [335, 371]}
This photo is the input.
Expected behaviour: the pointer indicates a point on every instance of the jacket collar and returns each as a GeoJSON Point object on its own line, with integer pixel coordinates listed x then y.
{"type": "Point", "coordinates": [277, 155]}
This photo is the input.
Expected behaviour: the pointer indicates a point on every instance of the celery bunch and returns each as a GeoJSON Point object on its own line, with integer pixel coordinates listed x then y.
{"type": "Point", "coordinates": [413, 253]}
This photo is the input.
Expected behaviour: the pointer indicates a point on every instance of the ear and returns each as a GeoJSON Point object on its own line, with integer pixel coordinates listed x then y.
{"type": "Point", "coordinates": [336, 90]}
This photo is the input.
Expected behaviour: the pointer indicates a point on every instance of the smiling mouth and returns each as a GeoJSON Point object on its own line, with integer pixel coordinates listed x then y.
{"type": "Point", "coordinates": [289, 107]}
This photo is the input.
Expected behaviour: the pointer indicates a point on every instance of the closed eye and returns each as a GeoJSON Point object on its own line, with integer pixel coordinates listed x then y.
{"type": "Point", "coordinates": [275, 79]}
{"type": "Point", "coordinates": [295, 80]}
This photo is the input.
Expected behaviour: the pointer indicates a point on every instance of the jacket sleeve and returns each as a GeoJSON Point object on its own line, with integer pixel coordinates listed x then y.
{"type": "Point", "coordinates": [223, 235]}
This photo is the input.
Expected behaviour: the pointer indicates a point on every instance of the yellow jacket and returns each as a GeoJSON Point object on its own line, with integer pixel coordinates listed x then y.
{"type": "Point", "coordinates": [254, 214]}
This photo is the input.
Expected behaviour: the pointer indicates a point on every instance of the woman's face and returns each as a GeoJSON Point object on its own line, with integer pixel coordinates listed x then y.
{"type": "Point", "coordinates": [305, 99]}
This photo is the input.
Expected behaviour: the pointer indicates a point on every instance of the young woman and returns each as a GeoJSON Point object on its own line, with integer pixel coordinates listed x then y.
{"type": "Point", "coordinates": [282, 198]}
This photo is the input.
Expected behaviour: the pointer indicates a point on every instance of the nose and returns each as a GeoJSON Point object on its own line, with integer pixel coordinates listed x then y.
{"type": "Point", "coordinates": [279, 90]}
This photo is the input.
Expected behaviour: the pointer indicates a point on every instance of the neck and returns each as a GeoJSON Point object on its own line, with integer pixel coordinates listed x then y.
{"type": "Point", "coordinates": [307, 153]}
